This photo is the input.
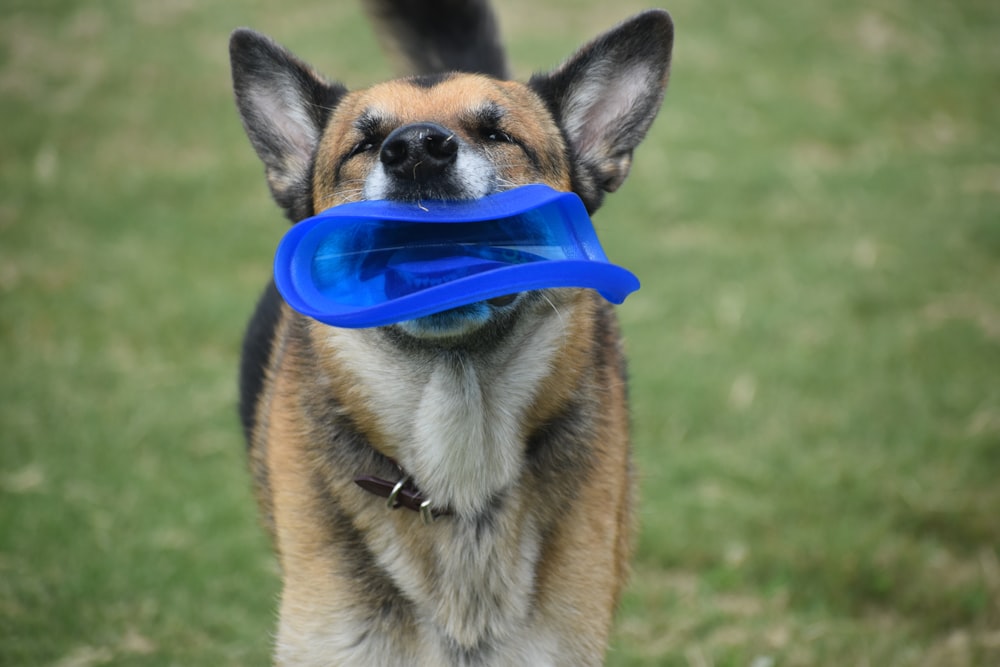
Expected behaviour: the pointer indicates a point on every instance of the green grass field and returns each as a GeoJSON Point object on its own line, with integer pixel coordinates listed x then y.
{"type": "Point", "coordinates": [815, 350]}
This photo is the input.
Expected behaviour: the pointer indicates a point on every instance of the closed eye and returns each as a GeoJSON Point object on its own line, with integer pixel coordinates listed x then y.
{"type": "Point", "coordinates": [366, 145]}
{"type": "Point", "coordinates": [491, 134]}
{"type": "Point", "coordinates": [497, 136]}
{"type": "Point", "coordinates": [372, 127]}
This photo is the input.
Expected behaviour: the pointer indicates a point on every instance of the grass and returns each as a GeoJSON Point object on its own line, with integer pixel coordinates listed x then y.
{"type": "Point", "coordinates": [815, 350]}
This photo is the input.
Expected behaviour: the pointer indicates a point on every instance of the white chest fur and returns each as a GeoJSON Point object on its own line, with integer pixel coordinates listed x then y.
{"type": "Point", "coordinates": [458, 424]}
{"type": "Point", "coordinates": [456, 419]}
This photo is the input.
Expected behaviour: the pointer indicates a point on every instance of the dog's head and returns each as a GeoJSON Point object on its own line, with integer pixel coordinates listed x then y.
{"type": "Point", "coordinates": [453, 135]}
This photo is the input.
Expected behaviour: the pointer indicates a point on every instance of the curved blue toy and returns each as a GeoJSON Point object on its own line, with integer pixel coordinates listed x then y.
{"type": "Point", "coordinates": [373, 263]}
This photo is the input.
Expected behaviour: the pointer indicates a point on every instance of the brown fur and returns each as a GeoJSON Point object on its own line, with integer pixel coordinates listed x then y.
{"type": "Point", "coordinates": [447, 104]}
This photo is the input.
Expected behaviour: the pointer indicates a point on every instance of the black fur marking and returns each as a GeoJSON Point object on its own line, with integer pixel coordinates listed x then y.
{"type": "Point", "coordinates": [298, 203]}
{"type": "Point", "coordinates": [485, 522]}
{"type": "Point", "coordinates": [428, 81]}
{"type": "Point", "coordinates": [443, 35]}
{"type": "Point", "coordinates": [468, 657]}
{"type": "Point", "coordinates": [257, 344]}
{"type": "Point", "coordinates": [337, 442]}
{"type": "Point", "coordinates": [557, 450]}
{"type": "Point", "coordinates": [340, 451]}
{"type": "Point", "coordinates": [385, 606]}
{"type": "Point", "coordinates": [560, 453]}
{"type": "Point", "coordinates": [488, 115]}
{"type": "Point", "coordinates": [371, 124]}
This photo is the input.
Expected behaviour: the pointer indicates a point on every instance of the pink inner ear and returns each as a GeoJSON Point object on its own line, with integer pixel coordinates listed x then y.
{"type": "Point", "coordinates": [599, 105]}
{"type": "Point", "coordinates": [284, 109]}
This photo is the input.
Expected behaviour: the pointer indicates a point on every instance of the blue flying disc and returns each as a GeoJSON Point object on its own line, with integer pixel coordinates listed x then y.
{"type": "Point", "coordinates": [372, 263]}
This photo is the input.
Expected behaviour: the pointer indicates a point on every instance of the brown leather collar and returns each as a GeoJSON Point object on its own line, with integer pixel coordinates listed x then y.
{"type": "Point", "coordinates": [401, 493]}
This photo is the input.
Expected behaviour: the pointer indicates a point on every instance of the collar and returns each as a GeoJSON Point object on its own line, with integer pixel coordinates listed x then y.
{"type": "Point", "coordinates": [401, 493]}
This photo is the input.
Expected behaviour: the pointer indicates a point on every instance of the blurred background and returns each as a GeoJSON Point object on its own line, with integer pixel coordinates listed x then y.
{"type": "Point", "coordinates": [815, 351]}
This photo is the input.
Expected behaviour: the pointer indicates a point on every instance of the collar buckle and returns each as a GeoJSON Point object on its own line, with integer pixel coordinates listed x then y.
{"type": "Point", "coordinates": [402, 493]}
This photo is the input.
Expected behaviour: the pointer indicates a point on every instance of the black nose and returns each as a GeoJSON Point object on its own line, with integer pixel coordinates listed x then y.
{"type": "Point", "coordinates": [418, 152]}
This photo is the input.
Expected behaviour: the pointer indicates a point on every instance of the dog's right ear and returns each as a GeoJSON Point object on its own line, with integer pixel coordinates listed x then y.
{"type": "Point", "coordinates": [605, 97]}
{"type": "Point", "coordinates": [284, 105]}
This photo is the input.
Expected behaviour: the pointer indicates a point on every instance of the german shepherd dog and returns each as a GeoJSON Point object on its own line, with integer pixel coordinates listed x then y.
{"type": "Point", "coordinates": [502, 424]}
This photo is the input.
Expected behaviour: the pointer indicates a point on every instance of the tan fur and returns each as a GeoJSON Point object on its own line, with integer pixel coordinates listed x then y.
{"type": "Point", "coordinates": [450, 104]}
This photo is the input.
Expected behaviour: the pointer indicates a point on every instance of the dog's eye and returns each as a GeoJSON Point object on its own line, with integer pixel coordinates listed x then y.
{"type": "Point", "coordinates": [497, 136]}
{"type": "Point", "coordinates": [364, 146]}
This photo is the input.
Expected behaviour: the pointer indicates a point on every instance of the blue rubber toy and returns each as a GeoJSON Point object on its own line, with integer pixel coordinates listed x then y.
{"type": "Point", "coordinates": [372, 263]}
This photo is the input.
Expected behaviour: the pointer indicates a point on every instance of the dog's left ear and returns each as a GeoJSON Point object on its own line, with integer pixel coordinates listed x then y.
{"type": "Point", "coordinates": [284, 105]}
{"type": "Point", "coordinates": [606, 96]}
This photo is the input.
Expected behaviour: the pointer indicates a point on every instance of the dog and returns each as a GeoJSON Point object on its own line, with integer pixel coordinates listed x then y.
{"type": "Point", "coordinates": [503, 425]}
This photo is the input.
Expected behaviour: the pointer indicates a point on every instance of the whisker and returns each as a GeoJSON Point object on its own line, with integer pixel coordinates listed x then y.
{"type": "Point", "coordinates": [555, 309]}
{"type": "Point", "coordinates": [322, 107]}
{"type": "Point", "coordinates": [343, 196]}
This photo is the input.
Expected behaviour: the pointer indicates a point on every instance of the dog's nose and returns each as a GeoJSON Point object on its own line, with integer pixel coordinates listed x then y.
{"type": "Point", "coordinates": [419, 151]}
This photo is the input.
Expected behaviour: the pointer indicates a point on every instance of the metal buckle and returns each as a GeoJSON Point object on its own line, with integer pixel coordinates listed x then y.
{"type": "Point", "coordinates": [391, 501]}
{"type": "Point", "coordinates": [426, 514]}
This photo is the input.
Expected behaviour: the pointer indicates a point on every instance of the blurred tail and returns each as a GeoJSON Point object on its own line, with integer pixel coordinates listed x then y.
{"type": "Point", "coordinates": [434, 36]}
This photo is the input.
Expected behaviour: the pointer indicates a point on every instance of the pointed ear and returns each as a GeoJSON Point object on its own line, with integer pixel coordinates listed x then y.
{"type": "Point", "coordinates": [606, 96]}
{"type": "Point", "coordinates": [284, 105]}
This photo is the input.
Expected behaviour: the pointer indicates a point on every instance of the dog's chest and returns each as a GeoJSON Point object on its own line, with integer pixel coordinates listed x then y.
{"type": "Point", "coordinates": [456, 420]}
{"type": "Point", "coordinates": [458, 425]}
